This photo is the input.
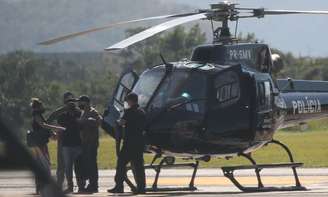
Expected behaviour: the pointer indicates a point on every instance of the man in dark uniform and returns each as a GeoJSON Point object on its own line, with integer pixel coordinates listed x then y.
{"type": "Point", "coordinates": [133, 122]}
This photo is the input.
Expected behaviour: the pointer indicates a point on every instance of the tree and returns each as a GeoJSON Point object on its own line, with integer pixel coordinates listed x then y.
{"type": "Point", "coordinates": [19, 81]}
{"type": "Point", "coordinates": [24, 75]}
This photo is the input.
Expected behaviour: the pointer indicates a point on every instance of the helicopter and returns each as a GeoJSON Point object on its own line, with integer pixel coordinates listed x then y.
{"type": "Point", "coordinates": [223, 102]}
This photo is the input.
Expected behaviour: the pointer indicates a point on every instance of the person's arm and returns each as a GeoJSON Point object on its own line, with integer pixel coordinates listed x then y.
{"type": "Point", "coordinates": [54, 115]}
{"type": "Point", "coordinates": [98, 118]}
{"type": "Point", "coordinates": [92, 119]}
{"type": "Point", "coordinates": [48, 126]}
{"type": "Point", "coordinates": [143, 120]}
{"type": "Point", "coordinates": [53, 127]}
{"type": "Point", "coordinates": [122, 121]}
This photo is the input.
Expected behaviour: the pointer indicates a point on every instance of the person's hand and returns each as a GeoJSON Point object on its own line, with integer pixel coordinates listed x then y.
{"type": "Point", "coordinates": [61, 129]}
{"type": "Point", "coordinates": [66, 107]}
{"type": "Point", "coordinates": [54, 135]}
{"type": "Point", "coordinates": [121, 122]}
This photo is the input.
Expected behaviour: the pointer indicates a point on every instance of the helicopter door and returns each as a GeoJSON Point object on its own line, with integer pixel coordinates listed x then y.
{"type": "Point", "coordinates": [116, 105]}
{"type": "Point", "coordinates": [264, 102]}
{"type": "Point", "coordinates": [229, 115]}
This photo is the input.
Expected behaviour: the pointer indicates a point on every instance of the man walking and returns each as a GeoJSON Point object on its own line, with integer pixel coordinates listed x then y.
{"type": "Point", "coordinates": [89, 122]}
{"type": "Point", "coordinates": [133, 122]}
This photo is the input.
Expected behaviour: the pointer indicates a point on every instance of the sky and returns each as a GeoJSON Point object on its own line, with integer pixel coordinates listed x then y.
{"type": "Point", "coordinates": [303, 35]}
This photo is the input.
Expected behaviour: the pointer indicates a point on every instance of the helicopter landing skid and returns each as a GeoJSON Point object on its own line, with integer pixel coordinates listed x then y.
{"type": "Point", "coordinates": [166, 163]}
{"type": "Point", "coordinates": [229, 172]}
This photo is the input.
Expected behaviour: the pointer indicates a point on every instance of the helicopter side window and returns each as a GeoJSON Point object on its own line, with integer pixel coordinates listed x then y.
{"type": "Point", "coordinates": [227, 88]}
{"type": "Point", "coordinates": [124, 87]}
{"type": "Point", "coordinates": [264, 95]}
{"type": "Point", "coordinates": [264, 60]}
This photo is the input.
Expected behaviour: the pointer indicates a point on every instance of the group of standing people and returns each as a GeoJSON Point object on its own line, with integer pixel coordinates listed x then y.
{"type": "Point", "coordinates": [75, 127]}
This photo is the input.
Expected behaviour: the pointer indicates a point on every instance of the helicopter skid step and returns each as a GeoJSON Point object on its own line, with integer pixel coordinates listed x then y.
{"type": "Point", "coordinates": [170, 189]}
{"type": "Point", "coordinates": [229, 173]}
{"type": "Point", "coordinates": [166, 163]}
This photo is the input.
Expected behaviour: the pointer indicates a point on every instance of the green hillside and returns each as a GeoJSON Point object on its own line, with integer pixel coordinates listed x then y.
{"type": "Point", "coordinates": [24, 23]}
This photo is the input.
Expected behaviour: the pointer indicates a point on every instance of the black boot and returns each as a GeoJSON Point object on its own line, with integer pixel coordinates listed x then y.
{"type": "Point", "coordinates": [118, 189]}
{"type": "Point", "coordinates": [81, 191]}
{"type": "Point", "coordinates": [139, 191]}
{"type": "Point", "coordinates": [91, 189]}
{"type": "Point", "coordinates": [69, 190]}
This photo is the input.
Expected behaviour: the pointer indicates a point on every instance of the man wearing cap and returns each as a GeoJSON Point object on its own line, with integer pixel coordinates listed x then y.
{"type": "Point", "coordinates": [68, 101]}
{"type": "Point", "coordinates": [71, 142]}
{"type": "Point", "coordinates": [133, 121]}
{"type": "Point", "coordinates": [89, 122]}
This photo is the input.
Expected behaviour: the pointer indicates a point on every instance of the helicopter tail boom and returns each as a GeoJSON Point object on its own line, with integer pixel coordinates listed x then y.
{"type": "Point", "coordinates": [289, 85]}
{"type": "Point", "coordinates": [303, 100]}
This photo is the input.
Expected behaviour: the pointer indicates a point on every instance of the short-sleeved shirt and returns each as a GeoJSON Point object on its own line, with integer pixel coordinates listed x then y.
{"type": "Point", "coordinates": [69, 120]}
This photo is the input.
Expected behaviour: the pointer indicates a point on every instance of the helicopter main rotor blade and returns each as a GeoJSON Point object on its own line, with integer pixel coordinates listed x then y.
{"type": "Point", "coordinates": [76, 34]}
{"type": "Point", "coordinates": [155, 30]}
{"type": "Point", "coordinates": [261, 12]}
{"type": "Point", "coordinates": [277, 12]}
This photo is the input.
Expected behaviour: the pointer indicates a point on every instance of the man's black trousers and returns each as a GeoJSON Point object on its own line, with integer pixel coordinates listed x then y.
{"type": "Point", "coordinates": [133, 154]}
{"type": "Point", "coordinates": [90, 166]}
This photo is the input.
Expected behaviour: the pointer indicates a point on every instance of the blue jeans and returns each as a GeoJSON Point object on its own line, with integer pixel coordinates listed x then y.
{"type": "Point", "coordinates": [71, 155]}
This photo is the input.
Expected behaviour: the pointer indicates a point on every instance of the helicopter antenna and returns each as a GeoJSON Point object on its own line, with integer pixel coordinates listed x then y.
{"type": "Point", "coordinates": [212, 25]}
{"type": "Point", "coordinates": [163, 59]}
{"type": "Point", "coordinates": [236, 29]}
{"type": "Point", "coordinates": [168, 66]}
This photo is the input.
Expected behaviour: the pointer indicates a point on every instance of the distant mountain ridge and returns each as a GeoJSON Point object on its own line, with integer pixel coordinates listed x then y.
{"type": "Point", "coordinates": [24, 23]}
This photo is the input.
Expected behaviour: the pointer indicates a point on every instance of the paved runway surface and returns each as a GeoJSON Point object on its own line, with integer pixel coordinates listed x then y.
{"type": "Point", "coordinates": [210, 182]}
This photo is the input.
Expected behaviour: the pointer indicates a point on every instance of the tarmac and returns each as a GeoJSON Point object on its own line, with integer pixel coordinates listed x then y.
{"type": "Point", "coordinates": [209, 182]}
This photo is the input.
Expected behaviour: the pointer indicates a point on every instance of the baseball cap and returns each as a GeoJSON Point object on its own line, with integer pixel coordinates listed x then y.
{"type": "Point", "coordinates": [84, 98]}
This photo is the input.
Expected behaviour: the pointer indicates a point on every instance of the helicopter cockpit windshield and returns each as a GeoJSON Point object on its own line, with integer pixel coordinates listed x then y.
{"type": "Point", "coordinates": [179, 87]}
{"type": "Point", "coordinates": [147, 84]}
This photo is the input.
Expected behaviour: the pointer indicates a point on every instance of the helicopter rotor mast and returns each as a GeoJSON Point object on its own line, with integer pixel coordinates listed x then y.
{"type": "Point", "coordinates": [222, 12]}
